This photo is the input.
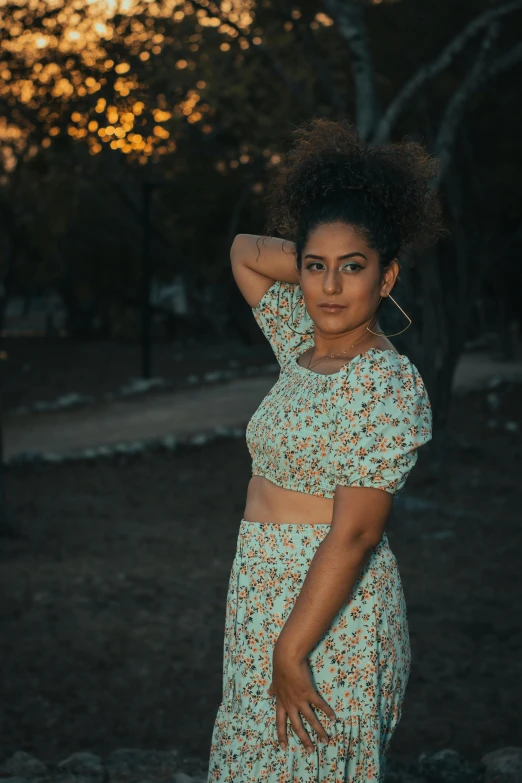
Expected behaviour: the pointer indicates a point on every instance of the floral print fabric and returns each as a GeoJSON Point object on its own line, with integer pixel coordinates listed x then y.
{"type": "Point", "coordinates": [360, 426]}
{"type": "Point", "coordinates": [360, 666]}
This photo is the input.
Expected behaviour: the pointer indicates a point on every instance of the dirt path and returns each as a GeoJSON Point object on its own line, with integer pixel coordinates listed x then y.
{"type": "Point", "coordinates": [112, 598]}
{"type": "Point", "coordinates": [180, 413]}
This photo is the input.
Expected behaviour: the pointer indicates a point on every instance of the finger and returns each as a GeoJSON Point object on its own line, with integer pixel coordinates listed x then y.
{"type": "Point", "coordinates": [281, 725]}
{"type": "Point", "coordinates": [298, 727]}
{"type": "Point", "coordinates": [308, 713]}
{"type": "Point", "coordinates": [318, 701]}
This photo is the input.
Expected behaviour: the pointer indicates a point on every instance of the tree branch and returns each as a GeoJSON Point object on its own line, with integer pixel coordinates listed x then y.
{"type": "Point", "coordinates": [270, 58]}
{"type": "Point", "coordinates": [350, 22]}
{"type": "Point", "coordinates": [506, 61]}
{"type": "Point", "coordinates": [316, 62]}
{"type": "Point", "coordinates": [481, 72]}
{"type": "Point", "coordinates": [444, 59]}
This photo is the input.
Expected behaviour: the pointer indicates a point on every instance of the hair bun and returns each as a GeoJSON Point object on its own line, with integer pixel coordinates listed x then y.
{"type": "Point", "coordinates": [331, 174]}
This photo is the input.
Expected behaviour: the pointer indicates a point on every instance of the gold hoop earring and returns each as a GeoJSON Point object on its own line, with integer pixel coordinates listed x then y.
{"type": "Point", "coordinates": [381, 334]}
{"type": "Point", "coordinates": [308, 331]}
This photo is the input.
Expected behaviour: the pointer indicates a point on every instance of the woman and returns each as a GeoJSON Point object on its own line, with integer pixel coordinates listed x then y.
{"type": "Point", "coordinates": [316, 648]}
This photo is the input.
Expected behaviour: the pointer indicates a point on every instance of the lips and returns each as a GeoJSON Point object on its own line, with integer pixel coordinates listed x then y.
{"type": "Point", "coordinates": [332, 308]}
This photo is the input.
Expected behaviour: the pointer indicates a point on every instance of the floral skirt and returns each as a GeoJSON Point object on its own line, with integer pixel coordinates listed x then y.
{"type": "Point", "coordinates": [360, 666]}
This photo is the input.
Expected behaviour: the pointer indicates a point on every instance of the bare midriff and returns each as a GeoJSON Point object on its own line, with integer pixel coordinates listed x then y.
{"type": "Point", "coordinates": [267, 502]}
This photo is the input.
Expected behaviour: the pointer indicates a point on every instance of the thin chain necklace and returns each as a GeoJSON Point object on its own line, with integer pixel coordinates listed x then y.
{"type": "Point", "coordinates": [333, 355]}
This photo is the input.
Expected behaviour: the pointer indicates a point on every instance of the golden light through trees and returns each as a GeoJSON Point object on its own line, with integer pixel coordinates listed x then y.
{"type": "Point", "coordinates": [58, 54]}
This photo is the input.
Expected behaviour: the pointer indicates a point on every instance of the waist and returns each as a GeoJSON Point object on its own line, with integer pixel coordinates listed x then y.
{"type": "Point", "coordinates": [269, 503]}
{"type": "Point", "coordinates": [274, 542]}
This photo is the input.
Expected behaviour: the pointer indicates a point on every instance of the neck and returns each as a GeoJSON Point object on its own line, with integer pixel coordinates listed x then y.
{"type": "Point", "coordinates": [326, 344]}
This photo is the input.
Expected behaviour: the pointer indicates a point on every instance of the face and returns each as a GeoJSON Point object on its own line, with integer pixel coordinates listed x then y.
{"type": "Point", "coordinates": [339, 267]}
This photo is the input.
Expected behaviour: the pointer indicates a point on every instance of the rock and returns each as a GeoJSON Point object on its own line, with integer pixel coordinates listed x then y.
{"type": "Point", "coordinates": [214, 375]}
{"type": "Point", "coordinates": [199, 440]}
{"type": "Point", "coordinates": [82, 763]}
{"type": "Point", "coordinates": [132, 766]}
{"type": "Point", "coordinates": [493, 401]}
{"type": "Point", "coordinates": [448, 766]}
{"type": "Point", "coordinates": [51, 456]}
{"type": "Point", "coordinates": [194, 767]}
{"type": "Point", "coordinates": [503, 766]}
{"type": "Point", "coordinates": [397, 772]}
{"type": "Point", "coordinates": [69, 777]}
{"type": "Point", "coordinates": [438, 535]}
{"type": "Point", "coordinates": [22, 765]}
{"type": "Point", "coordinates": [26, 458]}
{"type": "Point", "coordinates": [21, 780]}
{"type": "Point", "coordinates": [169, 442]}
{"type": "Point", "coordinates": [141, 385]}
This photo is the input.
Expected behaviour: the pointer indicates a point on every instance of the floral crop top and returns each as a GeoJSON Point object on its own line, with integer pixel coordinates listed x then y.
{"type": "Point", "coordinates": [359, 427]}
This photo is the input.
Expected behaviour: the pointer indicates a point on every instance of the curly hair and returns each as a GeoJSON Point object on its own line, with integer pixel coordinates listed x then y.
{"type": "Point", "coordinates": [331, 175]}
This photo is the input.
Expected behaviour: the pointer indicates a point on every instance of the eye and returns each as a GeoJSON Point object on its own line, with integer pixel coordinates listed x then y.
{"type": "Point", "coordinates": [353, 266]}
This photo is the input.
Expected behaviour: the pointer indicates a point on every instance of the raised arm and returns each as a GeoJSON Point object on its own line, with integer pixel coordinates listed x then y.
{"type": "Point", "coordinates": [259, 260]}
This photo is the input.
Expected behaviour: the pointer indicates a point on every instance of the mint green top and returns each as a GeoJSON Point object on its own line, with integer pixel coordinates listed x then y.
{"type": "Point", "coordinates": [360, 426]}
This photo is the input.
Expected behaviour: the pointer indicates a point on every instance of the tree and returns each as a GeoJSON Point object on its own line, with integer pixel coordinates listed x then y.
{"type": "Point", "coordinates": [205, 91]}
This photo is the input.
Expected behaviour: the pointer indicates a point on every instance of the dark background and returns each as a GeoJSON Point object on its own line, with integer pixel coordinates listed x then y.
{"type": "Point", "coordinates": [134, 148]}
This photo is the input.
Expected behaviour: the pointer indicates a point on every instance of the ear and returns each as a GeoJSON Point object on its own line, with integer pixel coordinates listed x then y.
{"type": "Point", "coordinates": [389, 277]}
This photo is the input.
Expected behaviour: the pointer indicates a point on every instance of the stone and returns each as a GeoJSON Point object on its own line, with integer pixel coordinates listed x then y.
{"type": "Point", "coordinates": [129, 764]}
{"type": "Point", "coordinates": [503, 765]}
{"type": "Point", "coordinates": [82, 763]}
{"type": "Point", "coordinates": [195, 767]}
{"type": "Point", "coordinates": [22, 765]}
{"type": "Point", "coordinates": [398, 772]}
{"type": "Point", "coordinates": [448, 766]}
{"type": "Point", "coordinates": [20, 780]}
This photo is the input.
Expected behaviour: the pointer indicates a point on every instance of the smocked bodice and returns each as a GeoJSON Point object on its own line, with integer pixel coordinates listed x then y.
{"type": "Point", "coordinates": [360, 426]}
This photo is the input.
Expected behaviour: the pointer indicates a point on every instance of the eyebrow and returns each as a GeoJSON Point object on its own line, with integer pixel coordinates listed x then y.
{"type": "Point", "coordinates": [340, 258]}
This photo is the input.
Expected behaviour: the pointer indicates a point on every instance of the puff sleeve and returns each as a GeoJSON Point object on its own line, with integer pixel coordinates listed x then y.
{"type": "Point", "coordinates": [282, 304]}
{"type": "Point", "coordinates": [383, 416]}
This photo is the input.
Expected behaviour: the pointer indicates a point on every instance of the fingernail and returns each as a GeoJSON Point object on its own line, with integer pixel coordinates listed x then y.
{"type": "Point", "coordinates": [283, 745]}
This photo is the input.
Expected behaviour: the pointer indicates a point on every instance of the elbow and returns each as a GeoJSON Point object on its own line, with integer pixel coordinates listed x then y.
{"type": "Point", "coordinates": [237, 249]}
{"type": "Point", "coordinates": [366, 542]}
{"type": "Point", "coordinates": [359, 544]}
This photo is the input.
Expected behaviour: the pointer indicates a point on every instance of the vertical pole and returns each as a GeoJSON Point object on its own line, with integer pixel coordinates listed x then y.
{"type": "Point", "coordinates": [146, 280]}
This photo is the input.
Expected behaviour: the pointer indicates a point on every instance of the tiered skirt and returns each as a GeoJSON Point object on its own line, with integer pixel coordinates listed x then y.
{"type": "Point", "coordinates": [360, 666]}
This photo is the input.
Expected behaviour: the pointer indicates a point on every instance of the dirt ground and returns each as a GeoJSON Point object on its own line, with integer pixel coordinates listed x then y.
{"type": "Point", "coordinates": [60, 366]}
{"type": "Point", "coordinates": [112, 600]}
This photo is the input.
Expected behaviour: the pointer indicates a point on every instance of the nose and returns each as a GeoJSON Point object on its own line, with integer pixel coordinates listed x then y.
{"type": "Point", "coordinates": [332, 282]}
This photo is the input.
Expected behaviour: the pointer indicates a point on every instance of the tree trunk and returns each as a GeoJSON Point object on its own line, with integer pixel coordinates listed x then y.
{"type": "Point", "coordinates": [7, 530]}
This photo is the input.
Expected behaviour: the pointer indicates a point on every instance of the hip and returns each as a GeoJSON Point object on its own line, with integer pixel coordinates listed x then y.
{"type": "Point", "coordinates": [366, 645]}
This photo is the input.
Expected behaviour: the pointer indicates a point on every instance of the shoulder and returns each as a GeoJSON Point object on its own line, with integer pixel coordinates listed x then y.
{"type": "Point", "coordinates": [385, 379]}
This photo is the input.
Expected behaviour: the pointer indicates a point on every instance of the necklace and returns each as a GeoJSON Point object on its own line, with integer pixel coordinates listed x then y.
{"type": "Point", "coordinates": [333, 355]}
